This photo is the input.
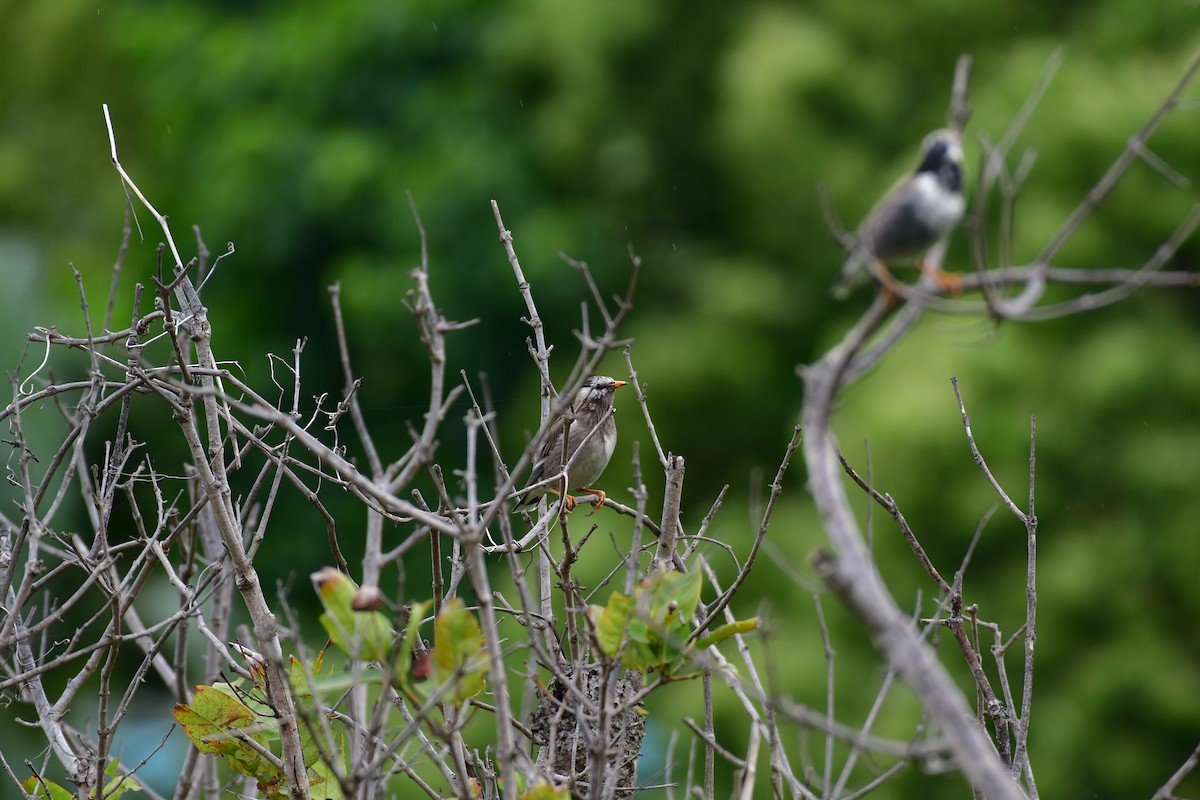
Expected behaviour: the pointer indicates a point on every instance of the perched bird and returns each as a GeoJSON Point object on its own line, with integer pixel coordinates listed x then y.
{"type": "Point", "coordinates": [590, 443]}
{"type": "Point", "coordinates": [913, 216]}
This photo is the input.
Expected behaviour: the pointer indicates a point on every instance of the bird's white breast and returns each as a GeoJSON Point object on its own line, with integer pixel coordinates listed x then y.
{"type": "Point", "coordinates": [593, 457]}
{"type": "Point", "coordinates": [933, 205]}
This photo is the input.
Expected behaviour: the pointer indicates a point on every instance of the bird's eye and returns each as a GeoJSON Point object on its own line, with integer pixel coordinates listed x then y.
{"type": "Point", "coordinates": [952, 175]}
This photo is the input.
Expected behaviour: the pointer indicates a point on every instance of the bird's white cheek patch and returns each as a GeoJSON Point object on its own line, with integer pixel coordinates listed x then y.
{"type": "Point", "coordinates": [934, 206]}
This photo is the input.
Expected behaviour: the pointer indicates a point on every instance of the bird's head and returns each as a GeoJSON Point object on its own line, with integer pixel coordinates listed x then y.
{"type": "Point", "coordinates": [596, 391]}
{"type": "Point", "coordinates": [942, 157]}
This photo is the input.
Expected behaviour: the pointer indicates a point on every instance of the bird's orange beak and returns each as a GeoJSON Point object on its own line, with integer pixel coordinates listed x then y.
{"type": "Point", "coordinates": [619, 384]}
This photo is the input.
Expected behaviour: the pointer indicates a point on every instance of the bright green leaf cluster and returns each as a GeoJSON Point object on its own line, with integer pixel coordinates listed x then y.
{"type": "Point", "coordinates": [219, 721]}
{"type": "Point", "coordinates": [237, 724]}
{"type": "Point", "coordinates": [117, 786]}
{"type": "Point", "coordinates": [457, 657]}
{"type": "Point", "coordinates": [651, 629]}
{"type": "Point", "coordinates": [363, 634]}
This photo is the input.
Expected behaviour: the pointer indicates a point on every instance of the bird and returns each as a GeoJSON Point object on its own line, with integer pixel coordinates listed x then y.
{"type": "Point", "coordinates": [915, 214]}
{"type": "Point", "coordinates": [590, 443]}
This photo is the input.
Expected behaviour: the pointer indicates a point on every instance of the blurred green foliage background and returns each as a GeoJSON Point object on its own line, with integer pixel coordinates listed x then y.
{"type": "Point", "coordinates": [695, 133]}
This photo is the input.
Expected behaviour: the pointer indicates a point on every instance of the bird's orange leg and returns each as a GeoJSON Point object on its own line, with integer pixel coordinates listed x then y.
{"type": "Point", "coordinates": [568, 501]}
{"type": "Point", "coordinates": [887, 283]}
{"type": "Point", "coordinates": [950, 281]}
{"type": "Point", "coordinates": [597, 493]}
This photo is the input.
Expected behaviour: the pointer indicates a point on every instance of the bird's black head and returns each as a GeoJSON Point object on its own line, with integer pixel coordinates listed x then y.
{"type": "Point", "coordinates": [942, 157]}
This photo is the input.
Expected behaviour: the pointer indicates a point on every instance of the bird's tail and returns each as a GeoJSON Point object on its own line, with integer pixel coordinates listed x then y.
{"type": "Point", "coordinates": [526, 500]}
{"type": "Point", "coordinates": [854, 274]}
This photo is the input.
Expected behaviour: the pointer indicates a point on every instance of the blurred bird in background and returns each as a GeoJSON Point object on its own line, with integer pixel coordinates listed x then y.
{"type": "Point", "coordinates": [913, 216]}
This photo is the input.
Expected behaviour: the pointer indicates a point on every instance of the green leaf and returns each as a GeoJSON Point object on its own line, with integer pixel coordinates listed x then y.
{"type": "Point", "coordinates": [546, 791]}
{"type": "Point", "coordinates": [45, 789]}
{"type": "Point", "coordinates": [253, 699]}
{"type": "Point", "coordinates": [651, 628]}
{"type": "Point", "coordinates": [361, 634]}
{"type": "Point", "coordinates": [321, 781]}
{"type": "Point", "coordinates": [458, 651]}
{"type": "Point", "coordinates": [611, 622]}
{"type": "Point", "coordinates": [674, 595]}
{"type": "Point", "coordinates": [321, 778]}
{"type": "Point", "coordinates": [207, 722]}
{"type": "Point", "coordinates": [623, 627]}
{"type": "Point", "coordinates": [119, 785]}
{"type": "Point", "coordinates": [729, 629]}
